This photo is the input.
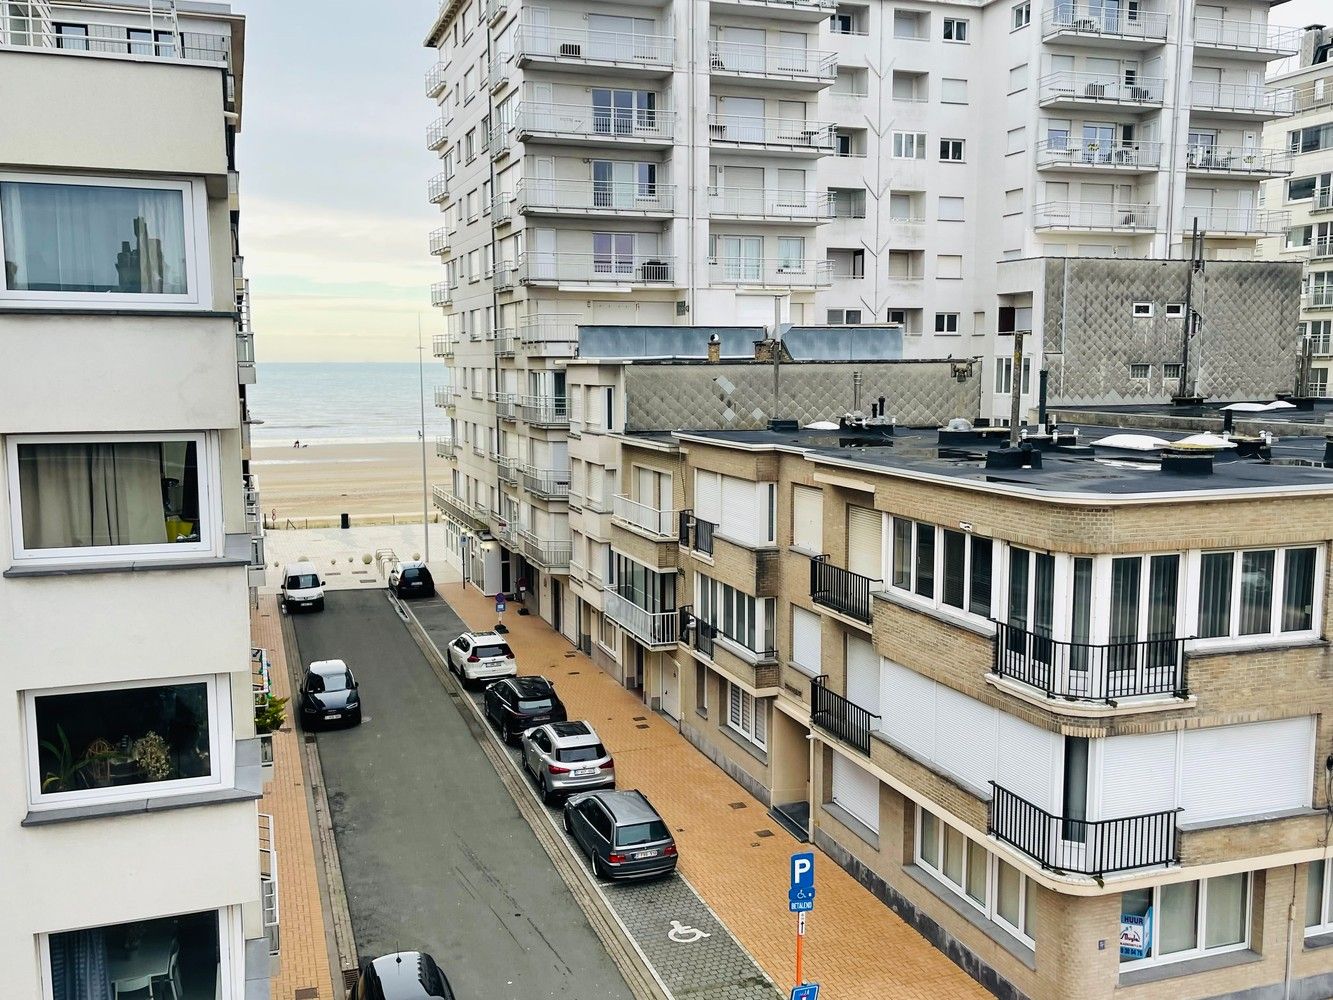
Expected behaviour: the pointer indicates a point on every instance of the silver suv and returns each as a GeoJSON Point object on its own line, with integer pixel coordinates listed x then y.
{"type": "Point", "coordinates": [565, 757]}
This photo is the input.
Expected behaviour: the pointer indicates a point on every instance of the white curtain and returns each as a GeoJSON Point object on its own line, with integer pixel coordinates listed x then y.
{"type": "Point", "coordinates": [81, 494]}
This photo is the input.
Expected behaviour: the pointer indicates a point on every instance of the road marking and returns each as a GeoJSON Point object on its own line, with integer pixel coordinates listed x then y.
{"type": "Point", "coordinates": [685, 934]}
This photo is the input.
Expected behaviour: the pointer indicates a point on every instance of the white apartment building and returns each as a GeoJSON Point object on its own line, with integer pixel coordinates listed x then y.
{"type": "Point", "coordinates": [135, 859]}
{"type": "Point", "coordinates": [1307, 195]}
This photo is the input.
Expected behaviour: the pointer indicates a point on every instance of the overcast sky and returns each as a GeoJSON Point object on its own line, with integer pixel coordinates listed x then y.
{"type": "Point", "coordinates": [333, 175]}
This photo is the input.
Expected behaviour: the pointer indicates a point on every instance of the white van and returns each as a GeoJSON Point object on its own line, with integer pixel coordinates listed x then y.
{"type": "Point", "coordinates": [302, 589]}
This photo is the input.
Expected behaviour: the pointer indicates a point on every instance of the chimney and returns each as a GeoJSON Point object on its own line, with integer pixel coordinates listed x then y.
{"type": "Point", "coordinates": [764, 350]}
{"type": "Point", "coordinates": [714, 349]}
{"type": "Point", "coordinates": [1187, 461]}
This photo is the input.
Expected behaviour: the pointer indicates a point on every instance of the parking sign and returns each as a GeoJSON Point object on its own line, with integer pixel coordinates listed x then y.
{"type": "Point", "coordinates": [801, 892]}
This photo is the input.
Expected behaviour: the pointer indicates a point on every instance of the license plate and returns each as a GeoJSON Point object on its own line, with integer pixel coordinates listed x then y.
{"type": "Point", "coordinates": [640, 855]}
{"type": "Point", "coordinates": [585, 772]}
{"type": "Point", "coordinates": [306, 604]}
{"type": "Point", "coordinates": [334, 715]}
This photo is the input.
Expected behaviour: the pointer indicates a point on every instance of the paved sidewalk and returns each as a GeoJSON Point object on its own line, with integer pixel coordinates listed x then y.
{"type": "Point", "coordinates": [304, 962]}
{"type": "Point", "coordinates": [732, 852]}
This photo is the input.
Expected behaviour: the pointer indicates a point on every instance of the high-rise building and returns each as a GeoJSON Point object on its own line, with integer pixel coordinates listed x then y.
{"type": "Point", "coordinates": [134, 855]}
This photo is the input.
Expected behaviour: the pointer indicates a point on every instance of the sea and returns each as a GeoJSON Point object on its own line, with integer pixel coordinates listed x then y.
{"type": "Point", "coordinates": [343, 402]}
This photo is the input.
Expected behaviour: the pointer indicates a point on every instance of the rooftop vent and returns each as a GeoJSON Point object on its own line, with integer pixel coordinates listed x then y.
{"type": "Point", "coordinates": [1183, 460]}
{"type": "Point", "coordinates": [784, 426]}
{"type": "Point", "coordinates": [958, 424]}
{"type": "Point", "coordinates": [1023, 457]}
{"type": "Point", "coordinates": [1131, 442]}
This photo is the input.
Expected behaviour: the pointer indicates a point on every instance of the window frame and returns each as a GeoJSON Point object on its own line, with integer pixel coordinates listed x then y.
{"type": "Point", "coordinates": [220, 749]}
{"type": "Point", "coordinates": [949, 31]}
{"type": "Point", "coordinates": [951, 146]}
{"type": "Point", "coordinates": [1142, 310]}
{"type": "Point", "coordinates": [1020, 15]}
{"type": "Point", "coordinates": [1275, 632]}
{"type": "Point", "coordinates": [1200, 926]}
{"type": "Point", "coordinates": [935, 601]}
{"type": "Point", "coordinates": [211, 532]}
{"type": "Point", "coordinates": [735, 697]}
{"type": "Point", "coordinates": [1325, 925]}
{"type": "Point", "coordinates": [198, 269]}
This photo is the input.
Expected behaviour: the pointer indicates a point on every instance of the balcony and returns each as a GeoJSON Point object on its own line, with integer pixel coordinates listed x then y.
{"type": "Point", "coordinates": [437, 134]}
{"type": "Point", "coordinates": [456, 507]}
{"type": "Point", "coordinates": [1087, 217]}
{"type": "Point", "coordinates": [576, 49]}
{"type": "Point", "coordinates": [446, 396]}
{"type": "Point", "coordinates": [643, 128]}
{"type": "Point", "coordinates": [783, 135]}
{"type": "Point", "coordinates": [442, 293]}
{"type": "Point", "coordinates": [791, 10]}
{"type": "Point", "coordinates": [1319, 297]}
{"type": "Point", "coordinates": [506, 276]}
{"type": "Point", "coordinates": [1099, 91]}
{"type": "Point", "coordinates": [1082, 846]}
{"type": "Point", "coordinates": [502, 209]}
{"type": "Point", "coordinates": [495, 9]}
{"type": "Point", "coordinates": [544, 411]}
{"type": "Point", "coordinates": [840, 718]}
{"type": "Point", "coordinates": [435, 80]}
{"type": "Point", "coordinates": [608, 199]}
{"type": "Point", "coordinates": [772, 65]}
{"type": "Point", "coordinates": [560, 268]}
{"type": "Point", "coordinates": [552, 335]}
{"type": "Point", "coordinates": [656, 630]}
{"type": "Point", "coordinates": [1110, 27]}
{"type": "Point", "coordinates": [437, 189]}
{"type": "Point", "coordinates": [270, 909]}
{"type": "Point", "coordinates": [549, 484]}
{"type": "Point", "coordinates": [440, 242]}
{"type": "Point", "coordinates": [1322, 200]}
{"type": "Point", "coordinates": [760, 205]}
{"type": "Point", "coordinates": [841, 590]}
{"type": "Point", "coordinates": [1236, 221]}
{"type": "Point", "coordinates": [695, 533]}
{"type": "Point", "coordinates": [1110, 157]}
{"type": "Point", "coordinates": [1241, 102]}
{"type": "Point", "coordinates": [443, 345]}
{"type": "Point", "coordinates": [1238, 161]}
{"type": "Point", "coordinates": [156, 36]}
{"type": "Point", "coordinates": [446, 447]}
{"type": "Point", "coordinates": [257, 570]}
{"type": "Point", "coordinates": [1242, 39]}
{"type": "Point", "coordinates": [245, 336]}
{"type": "Point", "coordinates": [506, 342]}
{"type": "Point", "coordinates": [661, 524]}
{"type": "Point", "coordinates": [770, 273]}
{"type": "Point", "coordinates": [1102, 673]}
{"type": "Point", "coordinates": [506, 405]}
{"type": "Point", "coordinates": [548, 553]}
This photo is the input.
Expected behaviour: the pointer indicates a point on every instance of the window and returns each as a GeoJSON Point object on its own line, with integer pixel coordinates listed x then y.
{"type": "Point", "coordinates": [1318, 904]}
{"type": "Point", "coordinates": [946, 322]}
{"type": "Point", "coordinates": [1018, 78]}
{"type": "Point", "coordinates": [843, 317]}
{"type": "Point", "coordinates": [951, 149]}
{"type": "Point", "coordinates": [700, 688]}
{"type": "Point", "coordinates": [102, 241]}
{"type": "Point", "coordinates": [1175, 310]}
{"type": "Point", "coordinates": [953, 91]}
{"type": "Point", "coordinates": [955, 29]}
{"type": "Point", "coordinates": [910, 24]}
{"type": "Point", "coordinates": [72, 37]}
{"type": "Point", "coordinates": [109, 742]}
{"type": "Point", "coordinates": [923, 553]}
{"type": "Point", "coordinates": [909, 145]}
{"type": "Point", "coordinates": [1140, 371]}
{"type": "Point", "coordinates": [948, 266]}
{"type": "Point", "coordinates": [1300, 189]}
{"type": "Point", "coordinates": [119, 496]}
{"type": "Point", "coordinates": [747, 715]}
{"type": "Point", "coordinates": [950, 209]}
{"type": "Point", "coordinates": [1004, 375]}
{"type": "Point", "coordinates": [1171, 371]}
{"type": "Point", "coordinates": [1021, 16]}
{"type": "Point", "coordinates": [1257, 592]}
{"type": "Point", "coordinates": [1308, 140]}
{"type": "Point", "coordinates": [736, 615]}
{"type": "Point", "coordinates": [1142, 310]}
{"type": "Point", "coordinates": [1170, 923]}
{"type": "Point", "coordinates": [81, 963]}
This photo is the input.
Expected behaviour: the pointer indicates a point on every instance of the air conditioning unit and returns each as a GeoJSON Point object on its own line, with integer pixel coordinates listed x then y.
{"type": "Point", "coordinates": [570, 50]}
{"type": "Point", "coordinates": [1095, 90]}
{"type": "Point", "coordinates": [1139, 94]}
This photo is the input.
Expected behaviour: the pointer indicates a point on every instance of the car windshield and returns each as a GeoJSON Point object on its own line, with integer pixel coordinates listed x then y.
{"type": "Point", "coordinates": [329, 682]}
{"type": "Point", "coordinates": [491, 652]}
{"type": "Point", "coordinates": [302, 581]}
{"type": "Point", "coordinates": [641, 833]}
{"type": "Point", "coordinates": [412, 573]}
{"type": "Point", "coordinates": [572, 755]}
{"type": "Point", "coordinates": [534, 704]}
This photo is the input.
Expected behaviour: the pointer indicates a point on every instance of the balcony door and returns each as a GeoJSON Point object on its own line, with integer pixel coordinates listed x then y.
{"type": "Point", "coordinates": [741, 189]}
{"type": "Point", "coordinates": [1142, 652]}
{"type": "Point", "coordinates": [542, 245]}
{"type": "Point", "coordinates": [741, 257]}
{"type": "Point", "coordinates": [1031, 605]}
{"type": "Point", "coordinates": [745, 118]}
{"type": "Point", "coordinates": [1098, 142]}
{"type": "Point", "coordinates": [620, 183]}
{"type": "Point", "coordinates": [792, 51]}
{"type": "Point", "coordinates": [741, 51]}
{"type": "Point", "coordinates": [613, 38]}
{"type": "Point", "coordinates": [543, 180]}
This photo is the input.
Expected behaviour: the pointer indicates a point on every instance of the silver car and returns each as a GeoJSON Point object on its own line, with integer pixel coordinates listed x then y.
{"type": "Point", "coordinates": [566, 757]}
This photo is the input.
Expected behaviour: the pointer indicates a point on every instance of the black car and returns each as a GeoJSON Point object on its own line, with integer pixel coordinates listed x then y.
{"type": "Point", "coordinates": [516, 704]}
{"type": "Point", "coordinates": [405, 975]}
{"type": "Point", "coordinates": [329, 694]}
{"type": "Point", "coordinates": [411, 579]}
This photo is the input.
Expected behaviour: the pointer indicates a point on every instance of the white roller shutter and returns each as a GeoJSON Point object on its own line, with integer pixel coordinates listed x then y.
{"type": "Point", "coordinates": [1138, 774]}
{"type": "Point", "coordinates": [856, 790]}
{"type": "Point", "coordinates": [807, 518]}
{"type": "Point", "coordinates": [864, 548]}
{"type": "Point", "coordinates": [806, 641]}
{"type": "Point", "coordinates": [862, 674]}
{"type": "Point", "coordinates": [740, 514]}
{"type": "Point", "coordinates": [1246, 770]}
{"type": "Point", "coordinates": [968, 732]}
{"type": "Point", "coordinates": [1028, 760]}
{"type": "Point", "coordinates": [909, 709]}
{"type": "Point", "coordinates": [707, 496]}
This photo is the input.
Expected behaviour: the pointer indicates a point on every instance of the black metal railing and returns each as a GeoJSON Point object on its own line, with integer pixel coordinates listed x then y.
{"type": "Point", "coordinates": [684, 520]}
{"type": "Point", "coordinates": [1083, 846]}
{"type": "Point", "coordinates": [1086, 672]}
{"type": "Point", "coordinates": [839, 717]}
{"type": "Point", "coordinates": [695, 533]}
{"type": "Point", "coordinates": [840, 589]}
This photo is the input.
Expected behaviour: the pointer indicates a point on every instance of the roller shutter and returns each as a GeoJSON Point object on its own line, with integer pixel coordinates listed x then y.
{"type": "Point", "coordinates": [806, 641]}
{"type": "Point", "coordinates": [1028, 760]}
{"type": "Point", "coordinates": [707, 496]}
{"type": "Point", "coordinates": [856, 790]}
{"type": "Point", "coordinates": [1246, 770]}
{"type": "Point", "coordinates": [862, 674]}
{"type": "Point", "coordinates": [968, 732]}
{"type": "Point", "coordinates": [909, 709]}
{"type": "Point", "coordinates": [1138, 774]}
{"type": "Point", "coordinates": [740, 514]}
{"type": "Point", "coordinates": [864, 541]}
{"type": "Point", "coordinates": [807, 518]}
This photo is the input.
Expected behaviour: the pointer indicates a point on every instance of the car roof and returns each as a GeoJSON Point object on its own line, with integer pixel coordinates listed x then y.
{"type": "Point", "coordinates": [573, 734]}
{"type": "Point", "coordinates": [298, 568]}
{"type": "Point", "coordinates": [400, 975]}
{"type": "Point", "coordinates": [627, 806]}
{"type": "Point", "coordinates": [486, 636]}
{"type": "Point", "coordinates": [530, 685]}
{"type": "Point", "coordinates": [326, 667]}
{"type": "Point", "coordinates": [411, 564]}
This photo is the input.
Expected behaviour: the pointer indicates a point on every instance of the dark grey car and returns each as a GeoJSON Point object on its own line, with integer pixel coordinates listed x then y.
{"type": "Point", "coordinates": [622, 834]}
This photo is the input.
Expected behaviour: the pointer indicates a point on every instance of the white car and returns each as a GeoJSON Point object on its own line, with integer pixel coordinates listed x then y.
{"type": "Point", "coordinates": [482, 656]}
{"type": "Point", "coordinates": [302, 587]}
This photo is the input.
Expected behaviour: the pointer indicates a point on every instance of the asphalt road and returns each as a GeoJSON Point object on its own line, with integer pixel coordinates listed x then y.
{"type": "Point", "coordinates": [435, 855]}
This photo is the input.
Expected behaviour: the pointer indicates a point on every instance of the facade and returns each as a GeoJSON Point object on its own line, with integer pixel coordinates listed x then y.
{"type": "Point", "coordinates": [1307, 195]}
{"type": "Point", "coordinates": [135, 858]}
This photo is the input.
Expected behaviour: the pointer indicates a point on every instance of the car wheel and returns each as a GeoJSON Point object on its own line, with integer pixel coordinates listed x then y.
{"type": "Point", "coordinates": [598, 869]}
{"type": "Point", "coordinates": [547, 795]}
{"type": "Point", "coordinates": [564, 819]}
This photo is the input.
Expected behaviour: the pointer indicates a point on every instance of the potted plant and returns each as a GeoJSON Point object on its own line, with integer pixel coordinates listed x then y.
{"type": "Point", "coordinates": [66, 771]}
{"type": "Point", "coordinates": [270, 715]}
{"type": "Point", "coordinates": [151, 753]}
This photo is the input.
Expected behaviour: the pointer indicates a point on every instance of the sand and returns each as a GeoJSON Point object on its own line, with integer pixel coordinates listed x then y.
{"type": "Point", "coordinates": [364, 480]}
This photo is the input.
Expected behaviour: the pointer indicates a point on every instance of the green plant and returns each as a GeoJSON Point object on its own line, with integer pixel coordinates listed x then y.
{"type": "Point", "coordinates": [66, 772]}
{"type": "Point", "coordinates": [271, 714]}
{"type": "Point", "coordinates": [150, 752]}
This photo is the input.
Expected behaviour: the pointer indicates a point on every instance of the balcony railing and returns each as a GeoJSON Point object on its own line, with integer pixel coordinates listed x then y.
{"type": "Point", "coordinates": [1321, 248]}
{"type": "Point", "coordinates": [437, 189]}
{"type": "Point", "coordinates": [506, 468]}
{"type": "Point", "coordinates": [268, 884]}
{"type": "Point", "coordinates": [553, 484]}
{"type": "Point", "coordinates": [601, 197]}
{"type": "Point", "coordinates": [443, 345]}
{"type": "Point", "coordinates": [155, 36]}
{"type": "Point", "coordinates": [748, 59]}
{"type": "Point", "coordinates": [646, 517]}
{"type": "Point", "coordinates": [1319, 297]}
{"type": "Point", "coordinates": [544, 411]}
{"type": "Point", "coordinates": [533, 41]}
{"type": "Point", "coordinates": [758, 203]}
{"type": "Point", "coordinates": [446, 447]}
{"type": "Point", "coordinates": [549, 553]}
{"type": "Point", "coordinates": [1077, 671]}
{"type": "Point", "coordinates": [1241, 221]}
{"type": "Point", "coordinates": [1078, 153]}
{"type": "Point", "coordinates": [1082, 846]}
{"type": "Point", "coordinates": [1110, 21]}
{"type": "Point", "coordinates": [776, 133]}
{"type": "Point", "coordinates": [506, 342]}
{"type": "Point", "coordinates": [441, 293]}
{"type": "Point", "coordinates": [696, 533]}
{"type": "Point", "coordinates": [506, 405]}
{"type": "Point", "coordinates": [777, 273]}
{"type": "Point", "coordinates": [435, 80]}
{"type": "Point", "coordinates": [1235, 34]}
{"type": "Point", "coordinates": [651, 628]}
{"type": "Point", "coordinates": [806, 8]}
{"type": "Point", "coordinates": [1238, 160]}
{"type": "Point", "coordinates": [583, 121]}
{"type": "Point", "coordinates": [1100, 88]}
{"type": "Point", "coordinates": [1085, 215]}
{"type": "Point", "coordinates": [841, 590]}
{"type": "Point", "coordinates": [450, 504]}
{"type": "Point", "coordinates": [445, 395]}
{"type": "Point", "coordinates": [839, 717]}
{"type": "Point", "coordinates": [1323, 199]}
{"type": "Point", "coordinates": [1259, 102]}
{"type": "Point", "coordinates": [440, 242]}
{"type": "Point", "coordinates": [555, 333]}
{"type": "Point", "coordinates": [538, 267]}
{"type": "Point", "coordinates": [436, 133]}
{"type": "Point", "coordinates": [502, 208]}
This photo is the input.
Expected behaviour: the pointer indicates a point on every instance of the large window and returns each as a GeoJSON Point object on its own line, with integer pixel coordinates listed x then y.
{"type": "Point", "coordinates": [747, 715]}
{"type": "Point", "coordinates": [1170, 923]}
{"type": "Point", "coordinates": [111, 496]}
{"type": "Point", "coordinates": [1256, 592]}
{"type": "Point", "coordinates": [102, 241]}
{"type": "Point", "coordinates": [737, 616]}
{"type": "Point", "coordinates": [183, 957]}
{"type": "Point", "coordinates": [944, 566]}
{"type": "Point", "coordinates": [1318, 898]}
{"type": "Point", "coordinates": [110, 742]}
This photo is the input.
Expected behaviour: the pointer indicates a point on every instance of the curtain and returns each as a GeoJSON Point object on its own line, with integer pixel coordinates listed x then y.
{"type": "Point", "coordinates": [925, 560]}
{"type": "Point", "coordinates": [902, 553]}
{"type": "Point", "coordinates": [979, 602]}
{"type": "Point", "coordinates": [79, 966]}
{"type": "Point", "coordinates": [1256, 591]}
{"type": "Point", "coordinates": [1178, 928]}
{"type": "Point", "coordinates": [1215, 594]}
{"type": "Point", "coordinates": [1224, 914]}
{"type": "Point", "coordinates": [1298, 590]}
{"type": "Point", "coordinates": [83, 494]}
{"type": "Point", "coordinates": [955, 556]}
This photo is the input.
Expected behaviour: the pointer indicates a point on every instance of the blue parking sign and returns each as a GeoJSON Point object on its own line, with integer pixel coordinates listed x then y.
{"type": "Point", "coordinates": [499, 604]}
{"type": "Point", "coordinates": [801, 893]}
{"type": "Point", "coordinates": [807, 991]}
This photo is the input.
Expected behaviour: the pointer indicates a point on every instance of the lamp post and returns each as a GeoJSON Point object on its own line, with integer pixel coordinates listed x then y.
{"type": "Point", "coordinates": [421, 395]}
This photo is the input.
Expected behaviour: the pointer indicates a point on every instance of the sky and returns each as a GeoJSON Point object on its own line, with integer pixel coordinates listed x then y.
{"type": "Point", "coordinates": [333, 162]}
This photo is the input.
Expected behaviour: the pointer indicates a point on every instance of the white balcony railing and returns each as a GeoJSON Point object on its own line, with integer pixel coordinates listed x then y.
{"type": "Point", "coordinates": [630, 197]}
{"type": "Point", "coordinates": [776, 272]}
{"type": "Point", "coordinates": [1101, 87]}
{"type": "Point", "coordinates": [661, 523]}
{"type": "Point", "coordinates": [447, 502]}
{"type": "Point", "coordinates": [583, 121]}
{"type": "Point", "coordinates": [1244, 221]}
{"type": "Point", "coordinates": [549, 553]}
{"type": "Point", "coordinates": [506, 342]}
{"type": "Point", "coordinates": [435, 80]}
{"type": "Point", "coordinates": [1321, 248]}
{"type": "Point", "coordinates": [1109, 20]}
{"type": "Point", "coordinates": [1232, 33]}
{"type": "Point", "coordinates": [788, 62]}
{"type": "Point", "coordinates": [506, 405]}
{"type": "Point", "coordinates": [539, 267]}
{"type": "Point", "coordinates": [437, 189]}
{"type": "Point", "coordinates": [446, 447]}
{"type": "Point", "coordinates": [268, 884]}
{"type": "Point", "coordinates": [1319, 297]}
{"type": "Point", "coordinates": [440, 243]}
{"type": "Point", "coordinates": [436, 133]}
{"type": "Point", "coordinates": [553, 484]}
{"type": "Point", "coordinates": [1322, 200]}
{"type": "Point", "coordinates": [760, 203]}
{"type": "Point", "coordinates": [661, 628]}
{"type": "Point", "coordinates": [156, 35]}
{"type": "Point", "coordinates": [502, 208]}
{"type": "Point", "coordinates": [1083, 215]}
{"type": "Point", "coordinates": [1242, 99]}
{"type": "Point", "coordinates": [552, 334]}
{"type": "Point", "coordinates": [1238, 160]}
{"type": "Point", "coordinates": [446, 396]}
{"type": "Point", "coordinates": [532, 41]}
{"type": "Point", "coordinates": [785, 133]}
{"type": "Point", "coordinates": [1075, 152]}
{"type": "Point", "coordinates": [544, 411]}
{"type": "Point", "coordinates": [443, 345]}
{"type": "Point", "coordinates": [441, 293]}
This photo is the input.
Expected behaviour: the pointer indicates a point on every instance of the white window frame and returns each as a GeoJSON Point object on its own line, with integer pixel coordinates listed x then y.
{"type": "Point", "coordinates": [1193, 567]}
{"type": "Point", "coordinates": [901, 141]}
{"type": "Point", "coordinates": [1142, 310]}
{"type": "Point", "coordinates": [1200, 928]}
{"type": "Point", "coordinates": [1020, 15]}
{"type": "Point", "coordinates": [198, 272]}
{"type": "Point", "coordinates": [958, 146]}
{"type": "Point", "coordinates": [221, 751]}
{"type": "Point", "coordinates": [736, 699]}
{"type": "Point", "coordinates": [711, 597]}
{"type": "Point", "coordinates": [1175, 310]}
{"type": "Point", "coordinates": [1325, 925]}
{"type": "Point", "coordinates": [950, 30]}
{"type": "Point", "coordinates": [936, 601]}
{"type": "Point", "coordinates": [1136, 374]}
{"type": "Point", "coordinates": [210, 504]}
{"type": "Point", "coordinates": [945, 316]}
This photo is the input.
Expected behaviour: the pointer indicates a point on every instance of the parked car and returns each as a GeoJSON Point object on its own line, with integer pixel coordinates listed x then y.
{"type": "Point", "coordinates": [329, 693]}
{"type": "Point", "coordinates": [481, 656]}
{"type": "Point", "coordinates": [302, 589]}
{"type": "Point", "coordinates": [404, 975]}
{"type": "Point", "coordinates": [565, 757]}
{"type": "Point", "coordinates": [518, 703]}
{"type": "Point", "coordinates": [411, 578]}
{"type": "Point", "coordinates": [622, 833]}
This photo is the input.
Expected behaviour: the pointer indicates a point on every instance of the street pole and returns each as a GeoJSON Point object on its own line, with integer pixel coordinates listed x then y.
{"type": "Point", "coordinates": [421, 394]}
{"type": "Point", "coordinates": [800, 942]}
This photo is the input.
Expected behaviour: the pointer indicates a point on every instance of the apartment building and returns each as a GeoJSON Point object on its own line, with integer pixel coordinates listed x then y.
{"type": "Point", "coordinates": [135, 860]}
{"type": "Point", "coordinates": [1306, 195]}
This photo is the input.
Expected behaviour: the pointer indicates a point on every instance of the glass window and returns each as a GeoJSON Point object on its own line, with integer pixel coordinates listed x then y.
{"type": "Point", "coordinates": [1008, 893]}
{"type": "Point", "coordinates": [1224, 918]}
{"type": "Point", "coordinates": [1178, 928]}
{"type": "Point", "coordinates": [967, 868]}
{"type": "Point", "coordinates": [1256, 592]}
{"type": "Point", "coordinates": [976, 871]}
{"type": "Point", "coordinates": [177, 954]}
{"type": "Point", "coordinates": [930, 834]}
{"type": "Point", "coordinates": [980, 577]}
{"type": "Point", "coordinates": [93, 238]}
{"type": "Point", "coordinates": [1316, 898]}
{"type": "Point", "coordinates": [902, 553]}
{"type": "Point", "coordinates": [925, 560]}
{"type": "Point", "coordinates": [1184, 920]}
{"type": "Point", "coordinates": [953, 855]}
{"type": "Point", "coordinates": [1298, 590]}
{"type": "Point", "coordinates": [955, 558]}
{"type": "Point", "coordinates": [1215, 594]}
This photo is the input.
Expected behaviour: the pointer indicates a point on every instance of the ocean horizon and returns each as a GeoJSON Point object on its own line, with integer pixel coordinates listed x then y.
{"type": "Point", "coordinates": [342, 402]}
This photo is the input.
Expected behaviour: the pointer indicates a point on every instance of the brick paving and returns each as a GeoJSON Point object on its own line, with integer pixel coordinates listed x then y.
{"type": "Point", "coordinates": [304, 962]}
{"type": "Point", "coordinates": [856, 948]}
